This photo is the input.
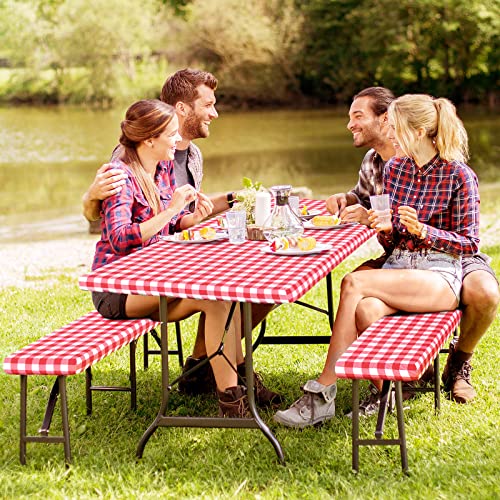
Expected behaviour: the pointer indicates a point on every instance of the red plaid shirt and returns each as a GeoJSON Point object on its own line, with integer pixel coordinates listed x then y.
{"type": "Point", "coordinates": [446, 198]}
{"type": "Point", "coordinates": [123, 212]}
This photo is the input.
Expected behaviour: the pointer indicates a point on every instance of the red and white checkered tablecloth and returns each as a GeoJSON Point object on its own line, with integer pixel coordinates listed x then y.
{"type": "Point", "coordinates": [397, 347]}
{"type": "Point", "coordinates": [224, 271]}
{"type": "Point", "coordinates": [76, 346]}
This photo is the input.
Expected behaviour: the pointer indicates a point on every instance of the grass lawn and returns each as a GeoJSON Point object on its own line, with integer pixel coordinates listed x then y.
{"type": "Point", "coordinates": [453, 455]}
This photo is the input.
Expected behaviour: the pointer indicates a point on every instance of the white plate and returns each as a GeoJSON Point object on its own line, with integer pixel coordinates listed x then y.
{"type": "Point", "coordinates": [320, 247]}
{"type": "Point", "coordinates": [188, 242]}
{"type": "Point", "coordinates": [310, 215]}
{"type": "Point", "coordinates": [310, 225]}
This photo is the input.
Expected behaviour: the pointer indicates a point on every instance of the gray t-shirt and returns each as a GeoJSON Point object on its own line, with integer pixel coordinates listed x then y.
{"type": "Point", "coordinates": [182, 174]}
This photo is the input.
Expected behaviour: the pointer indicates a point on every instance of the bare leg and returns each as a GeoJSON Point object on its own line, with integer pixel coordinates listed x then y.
{"type": "Point", "coordinates": [480, 298]}
{"type": "Point", "coordinates": [215, 314]}
{"type": "Point", "coordinates": [259, 312]}
{"type": "Point", "coordinates": [406, 290]}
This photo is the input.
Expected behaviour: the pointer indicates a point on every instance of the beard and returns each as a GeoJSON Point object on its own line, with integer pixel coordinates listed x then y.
{"type": "Point", "coordinates": [194, 128]}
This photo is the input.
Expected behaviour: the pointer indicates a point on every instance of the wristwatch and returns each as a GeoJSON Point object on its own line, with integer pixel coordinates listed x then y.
{"type": "Point", "coordinates": [423, 232]}
{"type": "Point", "coordinates": [230, 199]}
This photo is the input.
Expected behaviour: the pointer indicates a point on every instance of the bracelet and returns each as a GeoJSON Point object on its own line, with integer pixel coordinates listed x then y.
{"type": "Point", "coordinates": [230, 199]}
{"type": "Point", "coordinates": [423, 232]}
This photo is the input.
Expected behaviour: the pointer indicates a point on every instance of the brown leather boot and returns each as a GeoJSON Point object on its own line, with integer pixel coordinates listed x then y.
{"type": "Point", "coordinates": [233, 402]}
{"type": "Point", "coordinates": [456, 376]}
{"type": "Point", "coordinates": [263, 395]}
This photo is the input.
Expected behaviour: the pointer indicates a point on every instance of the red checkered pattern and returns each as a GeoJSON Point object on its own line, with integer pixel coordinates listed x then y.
{"type": "Point", "coordinates": [223, 271]}
{"type": "Point", "coordinates": [76, 346]}
{"type": "Point", "coordinates": [397, 347]}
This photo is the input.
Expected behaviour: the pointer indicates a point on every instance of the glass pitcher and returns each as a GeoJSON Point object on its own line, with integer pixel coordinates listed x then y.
{"type": "Point", "coordinates": [283, 221]}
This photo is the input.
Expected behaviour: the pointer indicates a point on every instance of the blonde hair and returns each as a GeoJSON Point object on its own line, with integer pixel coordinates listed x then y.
{"type": "Point", "coordinates": [144, 120]}
{"type": "Point", "coordinates": [439, 119]}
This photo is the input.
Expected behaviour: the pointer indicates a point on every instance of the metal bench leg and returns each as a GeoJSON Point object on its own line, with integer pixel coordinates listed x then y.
{"type": "Point", "coordinates": [382, 412]}
{"type": "Point", "coordinates": [146, 351]}
{"type": "Point", "coordinates": [88, 390]}
{"type": "Point", "coordinates": [65, 420]}
{"type": "Point", "coordinates": [133, 376]}
{"type": "Point", "coordinates": [49, 411]}
{"type": "Point", "coordinates": [437, 386]}
{"type": "Point", "coordinates": [355, 425]}
{"type": "Point", "coordinates": [401, 425]}
{"type": "Point", "coordinates": [22, 440]}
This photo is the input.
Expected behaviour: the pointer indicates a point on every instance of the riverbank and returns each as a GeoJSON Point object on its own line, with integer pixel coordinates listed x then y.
{"type": "Point", "coordinates": [42, 251]}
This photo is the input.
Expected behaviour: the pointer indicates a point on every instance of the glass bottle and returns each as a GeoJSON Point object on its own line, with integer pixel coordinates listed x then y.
{"type": "Point", "coordinates": [282, 221]}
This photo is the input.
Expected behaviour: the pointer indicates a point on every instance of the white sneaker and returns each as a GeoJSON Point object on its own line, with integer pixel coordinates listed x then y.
{"type": "Point", "coordinates": [316, 406]}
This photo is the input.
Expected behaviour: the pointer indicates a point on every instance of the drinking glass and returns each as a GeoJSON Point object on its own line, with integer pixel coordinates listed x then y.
{"type": "Point", "coordinates": [236, 226]}
{"type": "Point", "coordinates": [381, 204]}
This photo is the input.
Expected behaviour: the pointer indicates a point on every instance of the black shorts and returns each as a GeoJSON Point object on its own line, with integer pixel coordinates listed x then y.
{"type": "Point", "coordinates": [478, 262]}
{"type": "Point", "coordinates": [110, 305]}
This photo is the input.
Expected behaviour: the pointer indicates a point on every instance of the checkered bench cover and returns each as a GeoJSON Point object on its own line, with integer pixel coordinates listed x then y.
{"type": "Point", "coordinates": [69, 350]}
{"type": "Point", "coordinates": [394, 349]}
{"type": "Point", "coordinates": [397, 347]}
{"type": "Point", "coordinates": [76, 346]}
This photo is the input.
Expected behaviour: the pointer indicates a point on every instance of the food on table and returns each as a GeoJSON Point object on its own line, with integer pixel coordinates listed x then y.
{"type": "Point", "coordinates": [208, 233]}
{"type": "Point", "coordinates": [307, 243]}
{"type": "Point", "coordinates": [304, 210]}
{"type": "Point", "coordinates": [291, 242]}
{"type": "Point", "coordinates": [205, 233]}
{"type": "Point", "coordinates": [221, 222]}
{"type": "Point", "coordinates": [326, 220]}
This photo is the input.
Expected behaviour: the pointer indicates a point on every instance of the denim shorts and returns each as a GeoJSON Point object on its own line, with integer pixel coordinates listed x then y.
{"type": "Point", "coordinates": [448, 266]}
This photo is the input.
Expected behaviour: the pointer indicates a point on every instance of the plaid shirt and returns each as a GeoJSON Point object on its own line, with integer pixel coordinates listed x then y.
{"type": "Point", "coordinates": [123, 212]}
{"type": "Point", "coordinates": [446, 198]}
{"type": "Point", "coordinates": [370, 179]}
{"type": "Point", "coordinates": [195, 164]}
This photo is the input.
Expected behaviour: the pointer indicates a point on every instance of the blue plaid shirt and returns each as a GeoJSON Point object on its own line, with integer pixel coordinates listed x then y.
{"type": "Point", "coordinates": [446, 198]}
{"type": "Point", "coordinates": [122, 213]}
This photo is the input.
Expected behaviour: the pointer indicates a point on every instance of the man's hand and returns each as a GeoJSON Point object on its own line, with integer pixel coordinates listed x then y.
{"type": "Point", "coordinates": [355, 213]}
{"type": "Point", "coordinates": [336, 203]}
{"type": "Point", "coordinates": [108, 181]}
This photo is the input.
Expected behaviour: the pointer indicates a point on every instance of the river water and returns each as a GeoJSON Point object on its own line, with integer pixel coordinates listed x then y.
{"type": "Point", "coordinates": [49, 157]}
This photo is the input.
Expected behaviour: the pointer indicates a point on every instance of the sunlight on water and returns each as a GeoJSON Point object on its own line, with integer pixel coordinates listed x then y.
{"type": "Point", "coordinates": [49, 155]}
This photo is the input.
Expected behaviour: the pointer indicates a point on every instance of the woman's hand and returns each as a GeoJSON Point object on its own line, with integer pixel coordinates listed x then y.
{"type": "Point", "coordinates": [376, 221]}
{"type": "Point", "coordinates": [409, 219]}
{"type": "Point", "coordinates": [204, 207]}
{"type": "Point", "coordinates": [181, 197]}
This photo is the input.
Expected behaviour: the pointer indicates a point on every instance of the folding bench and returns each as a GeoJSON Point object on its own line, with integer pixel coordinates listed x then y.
{"type": "Point", "coordinates": [68, 351]}
{"type": "Point", "coordinates": [395, 349]}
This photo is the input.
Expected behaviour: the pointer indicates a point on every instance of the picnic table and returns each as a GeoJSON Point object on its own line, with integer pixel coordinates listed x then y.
{"type": "Point", "coordinates": [220, 270]}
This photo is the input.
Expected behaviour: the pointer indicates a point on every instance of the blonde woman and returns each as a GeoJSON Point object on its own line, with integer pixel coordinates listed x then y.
{"type": "Point", "coordinates": [435, 204]}
{"type": "Point", "coordinates": [147, 206]}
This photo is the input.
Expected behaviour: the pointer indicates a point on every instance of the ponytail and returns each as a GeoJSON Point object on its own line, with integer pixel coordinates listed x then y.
{"type": "Point", "coordinates": [438, 117]}
{"type": "Point", "coordinates": [451, 137]}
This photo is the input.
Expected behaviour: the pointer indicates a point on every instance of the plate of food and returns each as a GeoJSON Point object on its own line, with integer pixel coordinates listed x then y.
{"type": "Point", "coordinates": [295, 246]}
{"type": "Point", "coordinates": [190, 236]}
{"type": "Point", "coordinates": [326, 222]}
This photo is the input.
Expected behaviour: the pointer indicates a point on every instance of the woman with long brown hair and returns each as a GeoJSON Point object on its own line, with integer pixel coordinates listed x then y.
{"type": "Point", "coordinates": [148, 206]}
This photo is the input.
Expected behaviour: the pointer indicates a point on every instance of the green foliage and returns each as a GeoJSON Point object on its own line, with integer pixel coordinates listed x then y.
{"type": "Point", "coordinates": [250, 46]}
{"type": "Point", "coordinates": [262, 51]}
{"type": "Point", "coordinates": [445, 47]}
{"type": "Point", "coordinates": [83, 50]}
